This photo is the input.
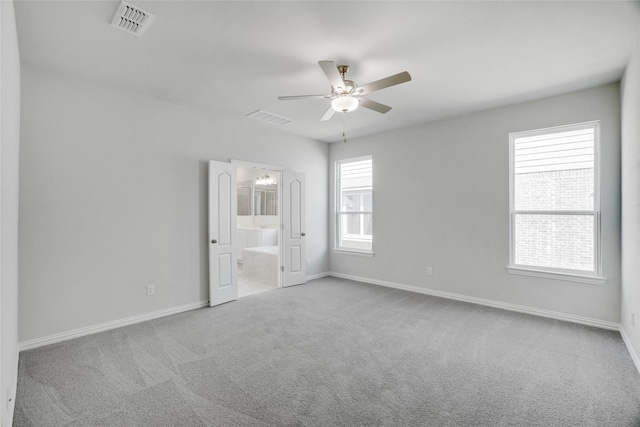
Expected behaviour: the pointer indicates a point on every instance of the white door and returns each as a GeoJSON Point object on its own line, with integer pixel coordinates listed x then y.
{"type": "Point", "coordinates": [293, 218]}
{"type": "Point", "coordinates": [223, 196]}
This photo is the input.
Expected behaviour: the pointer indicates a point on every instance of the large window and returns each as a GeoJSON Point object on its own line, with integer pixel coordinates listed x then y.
{"type": "Point", "coordinates": [354, 204]}
{"type": "Point", "coordinates": [554, 201]}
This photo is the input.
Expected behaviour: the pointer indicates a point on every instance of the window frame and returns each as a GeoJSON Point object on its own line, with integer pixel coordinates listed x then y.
{"type": "Point", "coordinates": [339, 213]}
{"type": "Point", "coordinates": [582, 276]}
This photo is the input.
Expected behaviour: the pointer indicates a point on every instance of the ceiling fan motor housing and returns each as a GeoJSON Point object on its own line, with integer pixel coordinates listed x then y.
{"type": "Point", "coordinates": [349, 87]}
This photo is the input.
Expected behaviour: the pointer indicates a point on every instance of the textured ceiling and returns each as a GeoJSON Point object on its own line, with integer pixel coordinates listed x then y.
{"type": "Point", "coordinates": [237, 57]}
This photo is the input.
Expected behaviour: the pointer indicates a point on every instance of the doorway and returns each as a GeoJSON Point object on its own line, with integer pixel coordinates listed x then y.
{"type": "Point", "coordinates": [223, 229]}
{"type": "Point", "coordinates": [257, 244]}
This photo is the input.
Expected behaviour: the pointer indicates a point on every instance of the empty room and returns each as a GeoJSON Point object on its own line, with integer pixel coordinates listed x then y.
{"type": "Point", "coordinates": [319, 213]}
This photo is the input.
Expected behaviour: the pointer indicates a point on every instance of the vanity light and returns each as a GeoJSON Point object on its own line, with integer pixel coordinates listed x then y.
{"type": "Point", "coordinates": [266, 180]}
{"type": "Point", "coordinates": [345, 103]}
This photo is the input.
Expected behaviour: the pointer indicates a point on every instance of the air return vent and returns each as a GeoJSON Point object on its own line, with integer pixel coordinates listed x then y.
{"type": "Point", "coordinates": [269, 118]}
{"type": "Point", "coordinates": [132, 19]}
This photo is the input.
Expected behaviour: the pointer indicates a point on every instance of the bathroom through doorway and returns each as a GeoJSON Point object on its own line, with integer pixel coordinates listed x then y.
{"type": "Point", "coordinates": [258, 239]}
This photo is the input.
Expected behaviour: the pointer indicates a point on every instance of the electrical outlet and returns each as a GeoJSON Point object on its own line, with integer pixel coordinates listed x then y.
{"type": "Point", "coordinates": [429, 271]}
{"type": "Point", "coordinates": [633, 319]}
{"type": "Point", "coordinates": [151, 290]}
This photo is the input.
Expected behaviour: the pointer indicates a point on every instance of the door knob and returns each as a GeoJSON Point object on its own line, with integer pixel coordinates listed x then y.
{"type": "Point", "coordinates": [303, 234]}
{"type": "Point", "coordinates": [214, 241]}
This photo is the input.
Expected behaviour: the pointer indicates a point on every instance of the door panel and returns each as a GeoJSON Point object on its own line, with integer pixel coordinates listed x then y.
{"type": "Point", "coordinates": [294, 207]}
{"type": "Point", "coordinates": [224, 208]}
{"type": "Point", "coordinates": [224, 271]}
{"type": "Point", "coordinates": [223, 280]}
{"type": "Point", "coordinates": [293, 192]}
{"type": "Point", "coordinates": [296, 258]}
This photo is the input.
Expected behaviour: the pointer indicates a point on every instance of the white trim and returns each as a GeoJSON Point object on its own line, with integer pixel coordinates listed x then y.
{"type": "Point", "coordinates": [255, 165]}
{"type": "Point", "coordinates": [556, 213]}
{"type": "Point", "coordinates": [552, 129]}
{"type": "Point", "coordinates": [634, 355]}
{"type": "Point", "coordinates": [570, 277]}
{"type": "Point", "coordinates": [318, 276]}
{"type": "Point", "coordinates": [490, 303]}
{"type": "Point", "coordinates": [76, 333]}
{"type": "Point", "coordinates": [353, 252]}
{"type": "Point", "coordinates": [355, 159]}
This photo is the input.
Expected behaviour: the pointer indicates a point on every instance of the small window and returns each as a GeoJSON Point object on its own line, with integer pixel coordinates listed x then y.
{"type": "Point", "coordinates": [354, 205]}
{"type": "Point", "coordinates": [554, 200]}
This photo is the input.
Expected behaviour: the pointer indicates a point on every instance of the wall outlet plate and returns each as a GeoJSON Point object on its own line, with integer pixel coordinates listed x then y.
{"type": "Point", "coordinates": [151, 290]}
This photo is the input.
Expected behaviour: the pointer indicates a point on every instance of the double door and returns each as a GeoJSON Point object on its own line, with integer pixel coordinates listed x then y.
{"type": "Point", "coordinates": [223, 193]}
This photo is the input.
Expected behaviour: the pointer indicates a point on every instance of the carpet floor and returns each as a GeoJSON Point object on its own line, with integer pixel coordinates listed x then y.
{"type": "Point", "coordinates": [334, 353]}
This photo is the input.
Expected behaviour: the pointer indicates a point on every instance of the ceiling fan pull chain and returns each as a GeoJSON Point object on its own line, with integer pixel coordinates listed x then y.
{"type": "Point", "coordinates": [344, 130]}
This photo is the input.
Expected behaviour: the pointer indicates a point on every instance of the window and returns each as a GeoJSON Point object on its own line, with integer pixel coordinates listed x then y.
{"type": "Point", "coordinates": [554, 202]}
{"type": "Point", "coordinates": [354, 204]}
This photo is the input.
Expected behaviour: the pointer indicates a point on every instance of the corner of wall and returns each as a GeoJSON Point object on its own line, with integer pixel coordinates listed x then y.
{"type": "Point", "coordinates": [630, 210]}
{"type": "Point", "coordinates": [635, 356]}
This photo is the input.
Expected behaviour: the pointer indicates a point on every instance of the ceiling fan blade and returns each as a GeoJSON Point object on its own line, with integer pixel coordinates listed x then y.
{"type": "Point", "coordinates": [373, 105]}
{"type": "Point", "coordinates": [290, 98]}
{"type": "Point", "coordinates": [396, 79]}
{"type": "Point", "coordinates": [327, 115]}
{"type": "Point", "coordinates": [330, 69]}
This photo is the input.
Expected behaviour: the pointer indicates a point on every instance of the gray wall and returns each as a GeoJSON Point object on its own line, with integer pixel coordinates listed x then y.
{"type": "Point", "coordinates": [631, 201]}
{"type": "Point", "coordinates": [9, 150]}
{"type": "Point", "coordinates": [113, 197]}
{"type": "Point", "coordinates": [441, 199]}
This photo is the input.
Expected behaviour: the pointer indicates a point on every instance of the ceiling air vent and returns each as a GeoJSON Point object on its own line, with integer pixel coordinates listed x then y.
{"type": "Point", "coordinates": [269, 118]}
{"type": "Point", "coordinates": [132, 19]}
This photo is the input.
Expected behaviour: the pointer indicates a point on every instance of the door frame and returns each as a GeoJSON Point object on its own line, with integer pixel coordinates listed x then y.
{"type": "Point", "coordinates": [279, 170]}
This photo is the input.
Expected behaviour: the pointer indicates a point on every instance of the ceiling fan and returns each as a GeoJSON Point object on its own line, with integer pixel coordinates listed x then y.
{"type": "Point", "coordinates": [346, 95]}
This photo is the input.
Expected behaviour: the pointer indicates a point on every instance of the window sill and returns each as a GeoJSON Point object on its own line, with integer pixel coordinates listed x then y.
{"type": "Point", "coordinates": [591, 280]}
{"type": "Point", "coordinates": [356, 253]}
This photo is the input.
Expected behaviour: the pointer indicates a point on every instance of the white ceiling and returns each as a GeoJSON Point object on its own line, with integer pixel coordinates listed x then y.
{"type": "Point", "coordinates": [236, 57]}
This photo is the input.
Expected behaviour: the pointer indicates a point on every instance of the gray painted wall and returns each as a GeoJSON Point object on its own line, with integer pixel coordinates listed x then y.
{"type": "Point", "coordinates": [441, 199]}
{"type": "Point", "coordinates": [631, 200]}
{"type": "Point", "coordinates": [9, 150]}
{"type": "Point", "coordinates": [113, 197]}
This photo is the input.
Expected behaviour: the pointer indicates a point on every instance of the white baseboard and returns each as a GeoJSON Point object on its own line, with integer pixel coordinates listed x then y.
{"type": "Point", "coordinates": [318, 276]}
{"type": "Point", "coordinates": [490, 303]}
{"type": "Point", "coordinates": [76, 333]}
{"type": "Point", "coordinates": [632, 351]}
{"type": "Point", "coordinates": [52, 339]}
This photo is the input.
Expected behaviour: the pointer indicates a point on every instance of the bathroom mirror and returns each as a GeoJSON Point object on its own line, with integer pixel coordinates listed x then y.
{"type": "Point", "coordinates": [266, 200]}
{"type": "Point", "coordinates": [244, 199]}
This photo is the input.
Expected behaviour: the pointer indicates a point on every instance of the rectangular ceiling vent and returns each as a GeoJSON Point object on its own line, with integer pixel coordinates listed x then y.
{"type": "Point", "coordinates": [269, 118]}
{"type": "Point", "coordinates": [132, 19]}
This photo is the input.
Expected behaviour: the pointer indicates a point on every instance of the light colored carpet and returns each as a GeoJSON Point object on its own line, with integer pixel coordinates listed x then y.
{"type": "Point", "coordinates": [334, 353]}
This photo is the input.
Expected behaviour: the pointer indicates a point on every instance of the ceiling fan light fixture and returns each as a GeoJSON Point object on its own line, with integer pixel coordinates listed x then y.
{"type": "Point", "coordinates": [344, 103]}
